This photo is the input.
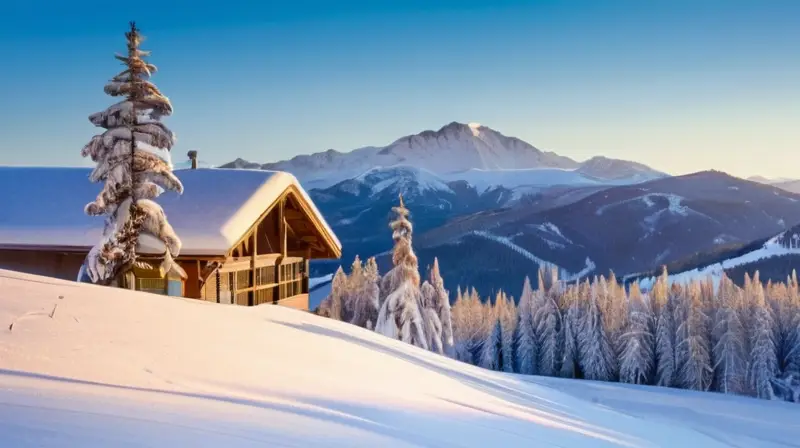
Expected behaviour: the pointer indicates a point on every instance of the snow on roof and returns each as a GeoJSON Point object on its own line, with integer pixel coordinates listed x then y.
{"type": "Point", "coordinates": [43, 206]}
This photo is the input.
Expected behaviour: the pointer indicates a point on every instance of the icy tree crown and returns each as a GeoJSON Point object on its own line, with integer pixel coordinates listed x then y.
{"type": "Point", "coordinates": [133, 163]}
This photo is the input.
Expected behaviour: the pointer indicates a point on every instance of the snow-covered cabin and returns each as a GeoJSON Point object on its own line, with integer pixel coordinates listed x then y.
{"type": "Point", "coordinates": [247, 234]}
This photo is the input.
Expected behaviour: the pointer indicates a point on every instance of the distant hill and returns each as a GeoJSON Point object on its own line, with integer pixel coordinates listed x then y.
{"type": "Point", "coordinates": [774, 258]}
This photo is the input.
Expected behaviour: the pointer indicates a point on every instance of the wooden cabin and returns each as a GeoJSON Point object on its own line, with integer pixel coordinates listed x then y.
{"type": "Point", "coordinates": [247, 235]}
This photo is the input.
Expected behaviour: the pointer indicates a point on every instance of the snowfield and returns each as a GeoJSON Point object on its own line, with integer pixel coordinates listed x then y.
{"type": "Point", "coordinates": [88, 366]}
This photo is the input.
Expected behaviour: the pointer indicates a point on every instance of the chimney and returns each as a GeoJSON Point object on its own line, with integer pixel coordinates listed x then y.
{"type": "Point", "coordinates": [193, 157]}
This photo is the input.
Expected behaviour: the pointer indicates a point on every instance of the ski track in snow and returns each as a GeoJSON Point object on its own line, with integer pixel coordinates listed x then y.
{"type": "Point", "coordinates": [563, 273]}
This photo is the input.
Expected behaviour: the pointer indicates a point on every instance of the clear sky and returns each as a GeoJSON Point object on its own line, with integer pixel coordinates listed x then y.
{"type": "Point", "coordinates": [681, 85]}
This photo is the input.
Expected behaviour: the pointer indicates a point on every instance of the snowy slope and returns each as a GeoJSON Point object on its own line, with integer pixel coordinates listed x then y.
{"type": "Point", "coordinates": [94, 367]}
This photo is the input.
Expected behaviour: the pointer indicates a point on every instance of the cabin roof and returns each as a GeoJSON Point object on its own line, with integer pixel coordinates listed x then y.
{"type": "Point", "coordinates": [42, 207]}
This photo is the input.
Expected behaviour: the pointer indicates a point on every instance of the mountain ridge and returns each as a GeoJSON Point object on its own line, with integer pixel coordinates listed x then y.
{"type": "Point", "coordinates": [453, 148]}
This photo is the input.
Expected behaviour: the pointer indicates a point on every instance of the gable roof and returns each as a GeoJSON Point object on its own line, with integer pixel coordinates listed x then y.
{"type": "Point", "coordinates": [42, 207]}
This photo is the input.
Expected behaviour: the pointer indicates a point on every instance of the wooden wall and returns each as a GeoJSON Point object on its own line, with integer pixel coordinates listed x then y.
{"type": "Point", "coordinates": [61, 265]}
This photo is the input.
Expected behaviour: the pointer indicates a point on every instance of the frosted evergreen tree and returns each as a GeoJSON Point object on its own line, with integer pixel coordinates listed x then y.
{"type": "Point", "coordinates": [360, 301]}
{"type": "Point", "coordinates": [793, 351]}
{"type": "Point", "coordinates": [548, 334]}
{"type": "Point", "coordinates": [692, 347]}
{"type": "Point", "coordinates": [663, 305]}
{"type": "Point", "coordinates": [430, 316]}
{"type": "Point", "coordinates": [442, 306]}
{"type": "Point", "coordinates": [333, 305]}
{"type": "Point", "coordinates": [572, 323]}
{"type": "Point", "coordinates": [763, 358]}
{"type": "Point", "coordinates": [597, 356]}
{"type": "Point", "coordinates": [527, 347]}
{"type": "Point", "coordinates": [637, 353]}
{"type": "Point", "coordinates": [461, 327]}
{"type": "Point", "coordinates": [508, 321]}
{"type": "Point", "coordinates": [353, 285]}
{"type": "Point", "coordinates": [367, 312]}
{"type": "Point", "coordinates": [615, 313]}
{"type": "Point", "coordinates": [134, 165]}
{"type": "Point", "coordinates": [728, 337]}
{"type": "Point", "coordinates": [400, 315]}
{"type": "Point", "coordinates": [492, 354]}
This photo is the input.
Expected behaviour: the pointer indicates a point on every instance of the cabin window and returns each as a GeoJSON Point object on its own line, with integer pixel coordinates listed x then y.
{"type": "Point", "coordinates": [151, 285]}
{"type": "Point", "coordinates": [175, 288]}
{"type": "Point", "coordinates": [291, 279]}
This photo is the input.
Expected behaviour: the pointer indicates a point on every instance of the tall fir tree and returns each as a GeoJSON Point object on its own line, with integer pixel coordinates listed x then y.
{"type": "Point", "coordinates": [727, 339]}
{"type": "Point", "coordinates": [527, 347]}
{"type": "Point", "coordinates": [548, 325]}
{"type": "Point", "coordinates": [442, 306]}
{"type": "Point", "coordinates": [763, 365]}
{"type": "Point", "coordinates": [637, 344]}
{"type": "Point", "coordinates": [333, 305]}
{"type": "Point", "coordinates": [508, 321]}
{"type": "Point", "coordinates": [430, 317]}
{"type": "Point", "coordinates": [692, 347]}
{"type": "Point", "coordinates": [597, 356]}
{"type": "Point", "coordinates": [134, 165]}
{"type": "Point", "coordinates": [663, 304]}
{"type": "Point", "coordinates": [400, 315]}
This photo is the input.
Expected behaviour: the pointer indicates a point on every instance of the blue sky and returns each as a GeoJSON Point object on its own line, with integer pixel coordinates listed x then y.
{"type": "Point", "coordinates": [679, 85]}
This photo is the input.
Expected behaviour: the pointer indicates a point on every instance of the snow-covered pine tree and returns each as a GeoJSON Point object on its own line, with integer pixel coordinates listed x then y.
{"type": "Point", "coordinates": [367, 313]}
{"type": "Point", "coordinates": [442, 305]}
{"type": "Point", "coordinates": [637, 353]}
{"type": "Point", "coordinates": [597, 356]}
{"type": "Point", "coordinates": [400, 316]}
{"type": "Point", "coordinates": [355, 282]}
{"type": "Point", "coordinates": [492, 354]}
{"type": "Point", "coordinates": [333, 305]}
{"type": "Point", "coordinates": [570, 356]}
{"type": "Point", "coordinates": [527, 347]}
{"type": "Point", "coordinates": [548, 331]}
{"type": "Point", "coordinates": [692, 347]}
{"type": "Point", "coordinates": [492, 349]}
{"type": "Point", "coordinates": [616, 313]}
{"type": "Point", "coordinates": [508, 320]}
{"type": "Point", "coordinates": [133, 162]}
{"type": "Point", "coordinates": [763, 358]}
{"type": "Point", "coordinates": [727, 338]}
{"type": "Point", "coordinates": [430, 316]}
{"type": "Point", "coordinates": [793, 351]}
{"type": "Point", "coordinates": [461, 327]}
{"type": "Point", "coordinates": [785, 318]}
{"type": "Point", "coordinates": [663, 305]}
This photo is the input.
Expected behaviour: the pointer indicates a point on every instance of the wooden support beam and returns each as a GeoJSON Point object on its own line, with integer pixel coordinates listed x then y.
{"type": "Point", "coordinates": [282, 225]}
{"type": "Point", "coordinates": [305, 287]}
{"type": "Point", "coordinates": [252, 295]}
{"type": "Point", "coordinates": [292, 214]}
{"type": "Point", "coordinates": [289, 229]}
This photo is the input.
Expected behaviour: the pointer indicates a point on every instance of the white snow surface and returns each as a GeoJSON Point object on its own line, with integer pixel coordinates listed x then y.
{"type": "Point", "coordinates": [89, 366]}
{"type": "Point", "coordinates": [217, 207]}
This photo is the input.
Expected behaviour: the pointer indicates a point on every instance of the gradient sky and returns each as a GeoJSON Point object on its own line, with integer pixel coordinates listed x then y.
{"type": "Point", "coordinates": [679, 85]}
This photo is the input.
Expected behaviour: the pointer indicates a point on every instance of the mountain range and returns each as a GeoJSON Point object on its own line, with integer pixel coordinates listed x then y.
{"type": "Point", "coordinates": [494, 208]}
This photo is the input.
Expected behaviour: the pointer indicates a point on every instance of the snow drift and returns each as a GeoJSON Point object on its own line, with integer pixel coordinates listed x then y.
{"type": "Point", "coordinates": [82, 365]}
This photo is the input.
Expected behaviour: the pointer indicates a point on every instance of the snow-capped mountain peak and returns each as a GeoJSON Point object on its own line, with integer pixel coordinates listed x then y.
{"type": "Point", "coordinates": [455, 147]}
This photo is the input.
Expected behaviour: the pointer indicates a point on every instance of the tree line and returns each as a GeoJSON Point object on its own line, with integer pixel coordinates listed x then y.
{"type": "Point", "coordinates": [703, 335]}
